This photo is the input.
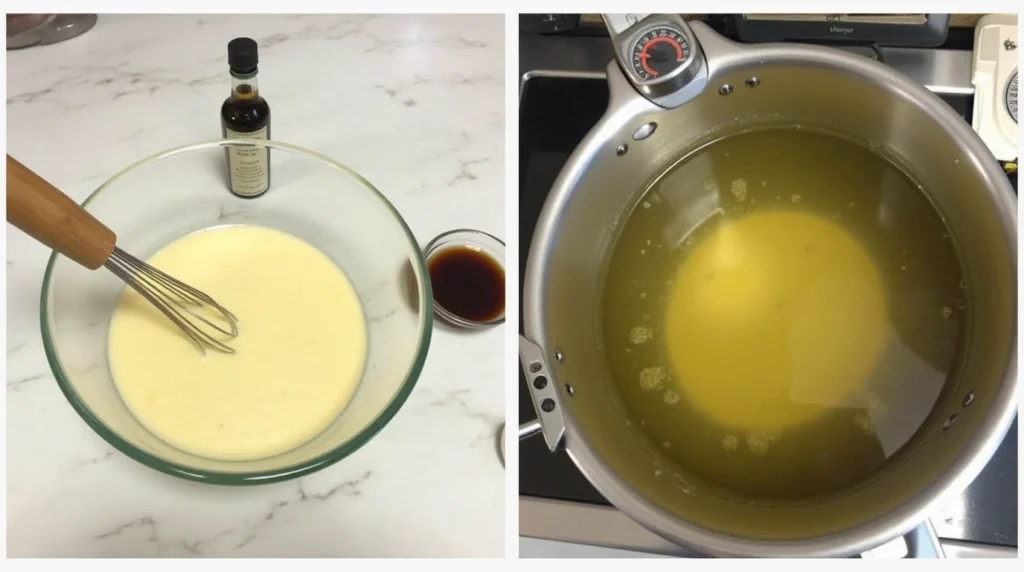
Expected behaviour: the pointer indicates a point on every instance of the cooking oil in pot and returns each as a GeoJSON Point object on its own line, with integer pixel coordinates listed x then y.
{"type": "Point", "coordinates": [782, 310]}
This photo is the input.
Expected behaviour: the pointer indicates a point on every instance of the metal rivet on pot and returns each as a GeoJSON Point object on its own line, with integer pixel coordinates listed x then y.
{"type": "Point", "coordinates": [540, 382]}
{"type": "Point", "coordinates": [570, 390]}
{"type": "Point", "coordinates": [969, 399]}
{"type": "Point", "coordinates": [559, 356]}
{"type": "Point", "coordinates": [725, 89]}
{"type": "Point", "coordinates": [535, 367]}
{"type": "Point", "coordinates": [752, 82]}
{"type": "Point", "coordinates": [644, 131]}
{"type": "Point", "coordinates": [548, 405]}
{"type": "Point", "coordinates": [621, 149]}
{"type": "Point", "coordinates": [949, 422]}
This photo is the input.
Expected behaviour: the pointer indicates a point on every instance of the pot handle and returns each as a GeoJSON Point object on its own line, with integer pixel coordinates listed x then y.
{"type": "Point", "coordinates": [529, 429]}
{"type": "Point", "coordinates": [923, 542]}
{"type": "Point", "coordinates": [544, 392]}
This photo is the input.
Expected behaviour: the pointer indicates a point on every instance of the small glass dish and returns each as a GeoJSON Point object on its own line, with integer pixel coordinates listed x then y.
{"type": "Point", "coordinates": [312, 197]}
{"type": "Point", "coordinates": [477, 284]}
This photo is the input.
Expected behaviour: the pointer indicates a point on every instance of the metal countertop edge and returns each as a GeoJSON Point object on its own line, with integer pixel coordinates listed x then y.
{"type": "Point", "coordinates": [593, 525]}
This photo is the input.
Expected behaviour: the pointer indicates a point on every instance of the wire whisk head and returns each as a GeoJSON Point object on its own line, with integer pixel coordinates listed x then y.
{"type": "Point", "coordinates": [195, 313]}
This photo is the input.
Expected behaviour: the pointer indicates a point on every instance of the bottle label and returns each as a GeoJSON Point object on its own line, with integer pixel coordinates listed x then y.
{"type": "Point", "coordinates": [249, 167]}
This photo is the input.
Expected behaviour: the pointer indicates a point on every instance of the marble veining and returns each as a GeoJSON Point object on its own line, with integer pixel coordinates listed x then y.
{"type": "Point", "coordinates": [413, 103]}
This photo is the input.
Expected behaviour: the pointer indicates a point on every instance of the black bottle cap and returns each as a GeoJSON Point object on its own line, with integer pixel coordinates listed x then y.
{"type": "Point", "coordinates": [242, 55]}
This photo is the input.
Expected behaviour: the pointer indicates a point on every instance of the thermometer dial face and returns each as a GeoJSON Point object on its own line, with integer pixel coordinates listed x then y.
{"type": "Point", "coordinates": [658, 52]}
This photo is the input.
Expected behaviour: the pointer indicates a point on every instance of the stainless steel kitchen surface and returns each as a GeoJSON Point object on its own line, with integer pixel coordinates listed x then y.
{"type": "Point", "coordinates": [562, 94]}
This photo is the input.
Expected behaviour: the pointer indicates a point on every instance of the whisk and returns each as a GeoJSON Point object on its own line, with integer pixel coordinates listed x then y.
{"type": "Point", "coordinates": [51, 217]}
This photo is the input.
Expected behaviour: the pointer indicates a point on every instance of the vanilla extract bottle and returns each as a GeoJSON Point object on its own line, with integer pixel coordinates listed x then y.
{"type": "Point", "coordinates": [246, 115]}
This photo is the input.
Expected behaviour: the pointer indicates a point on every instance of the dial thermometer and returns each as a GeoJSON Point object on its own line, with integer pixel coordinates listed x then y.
{"type": "Point", "coordinates": [660, 56]}
{"type": "Point", "coordinates": [659, 51]}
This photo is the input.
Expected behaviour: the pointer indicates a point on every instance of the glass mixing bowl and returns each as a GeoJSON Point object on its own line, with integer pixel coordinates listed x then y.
{"type": "Point", "coordinates": [311, 197]}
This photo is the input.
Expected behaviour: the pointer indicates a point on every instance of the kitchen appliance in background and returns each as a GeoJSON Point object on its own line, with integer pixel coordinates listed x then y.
{"type": "Point", "coordinates": [548, 23]}
{"type": "Point", "coordinates": [563, 94]}
{"type": "Point", "coordinates": [904, 30]}
{"type": "Point", "coordinates": [27, 30]}
{"type": "Point", "coordinates": [995, 84]}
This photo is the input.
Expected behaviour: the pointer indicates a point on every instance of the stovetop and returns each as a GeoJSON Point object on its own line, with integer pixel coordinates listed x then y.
{"type": "Point", "coordinates": [555, 113]}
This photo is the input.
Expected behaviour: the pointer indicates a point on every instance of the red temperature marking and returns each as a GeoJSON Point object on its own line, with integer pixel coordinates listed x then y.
{"type": "Point", "coordinates": [659, 40]}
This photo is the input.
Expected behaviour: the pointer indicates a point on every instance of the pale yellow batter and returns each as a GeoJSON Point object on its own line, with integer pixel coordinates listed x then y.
{"type": "Point", "coordinates": [774, 319]}
{"type": "Point", "coordinates": [299, 353]}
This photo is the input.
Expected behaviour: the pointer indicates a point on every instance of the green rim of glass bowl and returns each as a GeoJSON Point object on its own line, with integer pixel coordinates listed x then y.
{"type": "Point", "coordinates": [256, 477]}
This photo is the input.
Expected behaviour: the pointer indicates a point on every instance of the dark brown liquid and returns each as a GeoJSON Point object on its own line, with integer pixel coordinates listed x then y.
{"type": "Point", "coordinates": [246, 112]}
{"type": "Point", "coordinates": [468, 283]}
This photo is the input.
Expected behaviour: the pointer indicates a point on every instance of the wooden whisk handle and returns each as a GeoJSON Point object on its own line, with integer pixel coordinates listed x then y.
{"type": "Point", "coordinates": [51, 217]}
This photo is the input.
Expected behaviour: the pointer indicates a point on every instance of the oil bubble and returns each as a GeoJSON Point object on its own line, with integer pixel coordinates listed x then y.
{"type": "Point", "coordinates": [873, 403]}
{"type": "Point", "coordinates": [864, 422]}
{"type": "Point", "coordinates": [739, 189]}
{"type": "Point", "coordinates": [640, 334]}
{"type": "Point", "coordinates": [652, 378]}
{"type": "Point", "coordinates": [759, 441]}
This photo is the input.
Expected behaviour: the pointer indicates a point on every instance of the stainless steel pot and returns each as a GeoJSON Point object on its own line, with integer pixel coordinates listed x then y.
{"type": "Point", "coordinates": [648, 125]}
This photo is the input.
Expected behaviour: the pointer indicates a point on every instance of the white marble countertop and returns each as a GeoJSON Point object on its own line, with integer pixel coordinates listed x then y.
{"type": "Point", "coordinates": [416, 105]}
